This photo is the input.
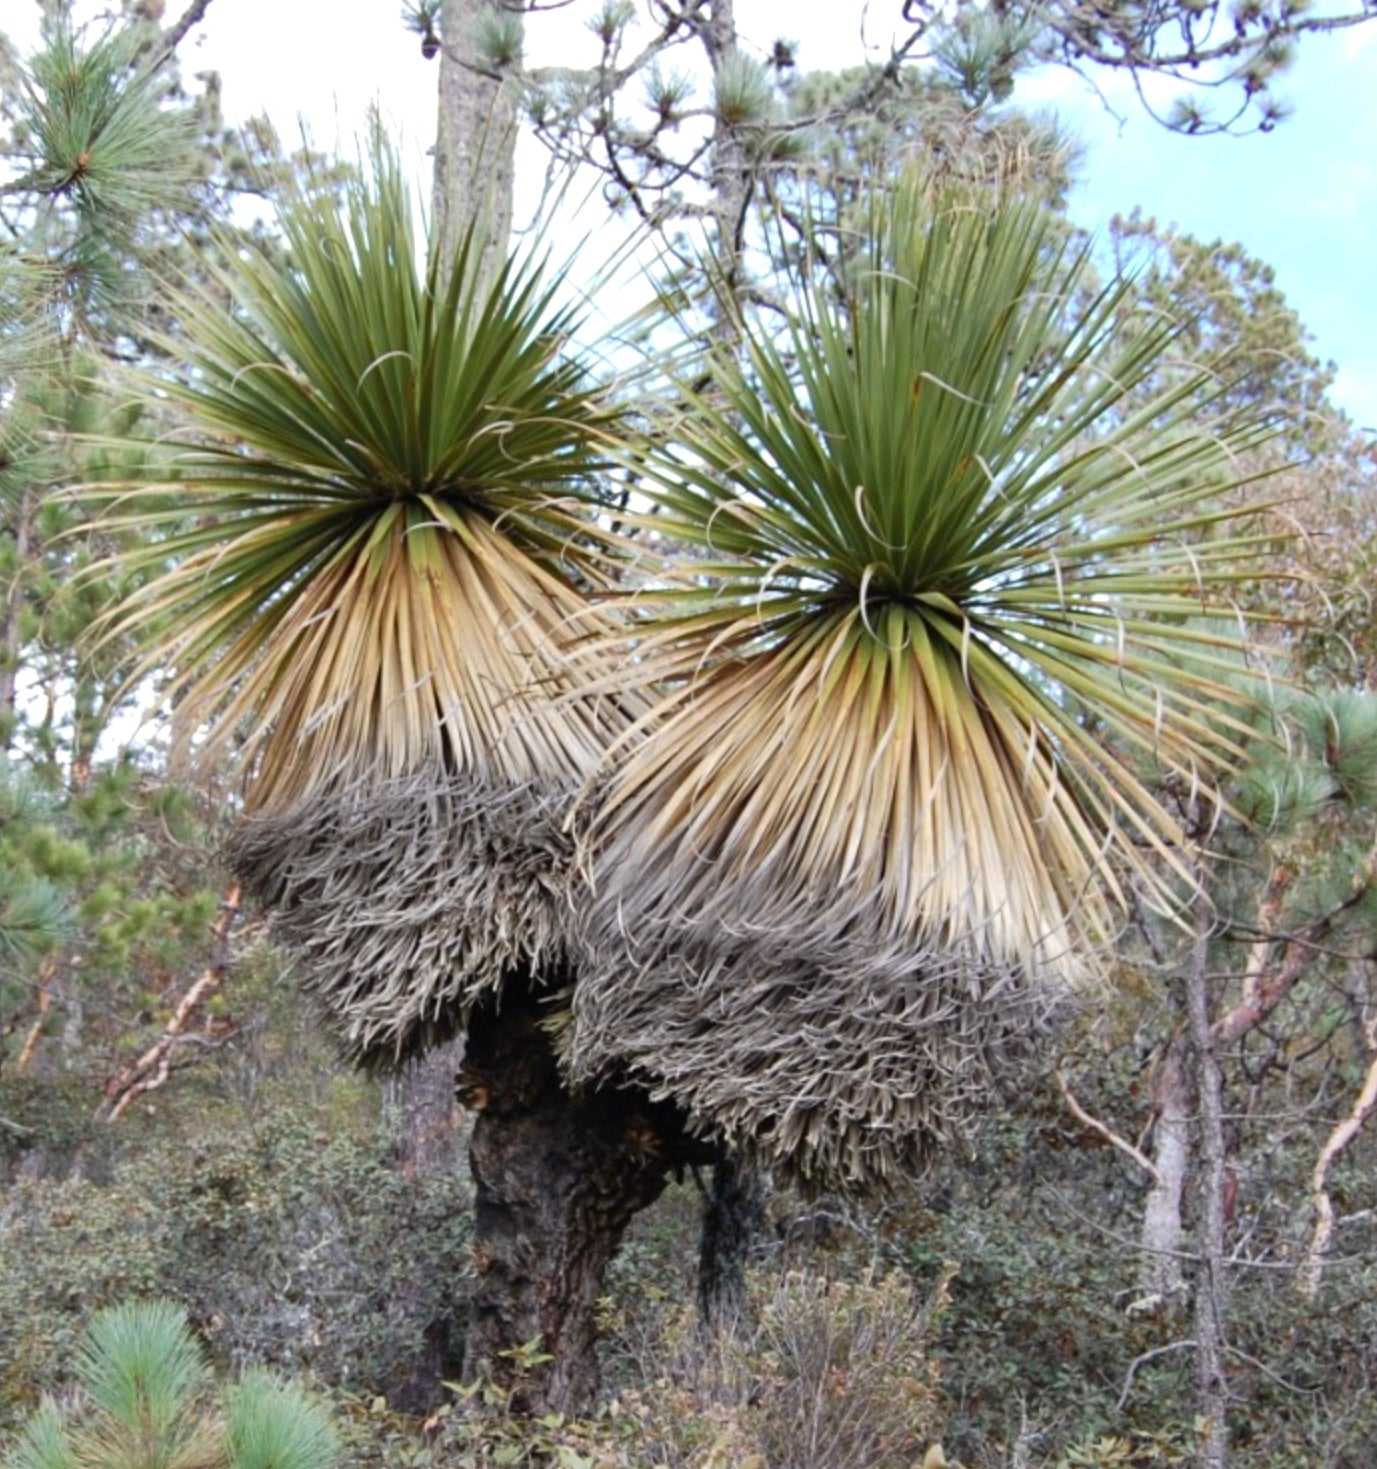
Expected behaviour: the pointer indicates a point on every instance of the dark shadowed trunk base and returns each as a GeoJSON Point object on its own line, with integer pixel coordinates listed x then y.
{"type": "Point", "coordinates": [557, 1178]}
{"type": "Point", "coordinates": [733, 1222]}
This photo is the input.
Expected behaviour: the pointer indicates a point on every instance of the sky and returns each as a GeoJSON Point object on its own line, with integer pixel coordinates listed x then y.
{"type": "Point", "coordinates": [1303, 198]}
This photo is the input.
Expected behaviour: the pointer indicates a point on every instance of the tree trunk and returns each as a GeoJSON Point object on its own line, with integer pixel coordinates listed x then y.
{"type": "Point", "coordinates": [11, 627]}
{"type": "Point", "coordinates": [421, 1100]}
{"type": "Point", "coordinates": [1163, 1213]}
{"type": "Point", "coordinates": [1211, 1284]}
{"type": "Point", "coordinates": [731, 174]}
{"type": "Point", "coordinates": [475, 141]}
{"type": "Point", "coordinates": [419, 1103]}
{"type": "Point", "coordinates": [558, 1177]}
{"type": "Point", "coordinates": [733, 1213]}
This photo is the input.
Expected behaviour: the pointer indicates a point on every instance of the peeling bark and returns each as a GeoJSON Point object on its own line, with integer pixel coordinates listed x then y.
{"type": "Point", "coordinates": [1163, 1212]}
{"type": "Point", "coordinates": [1312, 1268]}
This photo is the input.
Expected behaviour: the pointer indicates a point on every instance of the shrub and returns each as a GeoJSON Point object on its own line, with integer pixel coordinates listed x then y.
{"type": "Point", "coordinates": [824, 1375]}
{"type": "Point", "coordinates": [288, 1244]}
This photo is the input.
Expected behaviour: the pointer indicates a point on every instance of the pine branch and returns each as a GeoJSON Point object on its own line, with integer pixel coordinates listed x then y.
{"type": "Point", "coordinates": [175, 34]}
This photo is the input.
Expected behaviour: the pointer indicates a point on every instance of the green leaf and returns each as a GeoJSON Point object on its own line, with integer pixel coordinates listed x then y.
{"type": "Point", "coordinates": [374, 555]}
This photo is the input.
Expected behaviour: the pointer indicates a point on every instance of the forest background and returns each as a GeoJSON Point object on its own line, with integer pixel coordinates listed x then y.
{"type": "Point", "coordinates": [172, 1123]}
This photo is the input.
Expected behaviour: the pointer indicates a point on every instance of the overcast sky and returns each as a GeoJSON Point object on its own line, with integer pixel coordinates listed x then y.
{"type": "Point", "coordinates": [1303, 198]}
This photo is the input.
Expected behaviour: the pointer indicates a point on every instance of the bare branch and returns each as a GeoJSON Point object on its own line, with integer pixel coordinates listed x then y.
{"type": "Point", "coordinates": [1122, 1145]}
{"type": "Point", "coordinates": [45, 1003]}
{"type": "Point", "coordinates": [1312, 1268]}
{"type": "Point", "coordinates": [175, 34]}
{"type": "Point", "coordinates": [1186, 1344]}
{"type": "Point", "coordinates": [151, 1069]}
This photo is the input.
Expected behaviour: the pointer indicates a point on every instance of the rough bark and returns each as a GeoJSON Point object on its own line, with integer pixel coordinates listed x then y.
{"type": "Point", "coordinates": [475, 141]}
{"type": "Point", "coordinates": [1211, 1284]}
{"type": "Point", "coordinates": [422, 1099]}
{"type": "Point", "coordinates": [557, 1178]}
{"type": "Point", "coordinates": [733, 1216]}
{"type": "Point", "coordinates": [419, 1103]}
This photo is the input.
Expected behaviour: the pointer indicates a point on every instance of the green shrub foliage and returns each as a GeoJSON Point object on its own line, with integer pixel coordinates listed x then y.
{"type": "Point", "coordinates": [288, 1244]}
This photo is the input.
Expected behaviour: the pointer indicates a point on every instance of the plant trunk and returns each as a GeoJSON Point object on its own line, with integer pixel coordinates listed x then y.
{"type": "Point", "coordinates": [475, 141]}
{"type": "Point", "coordinates": [733, 1214]}
{"type": "Point", "coordinates": [557, 1177]}
{"type": "Point", "coordinates": [1211, 1284]}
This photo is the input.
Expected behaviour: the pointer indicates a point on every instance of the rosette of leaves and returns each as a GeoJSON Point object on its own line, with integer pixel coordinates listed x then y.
{"type": "Point", "coordinates": [144, 1405]}
{"type": "Point", "coordinates": [928, 568]}
{"type": "Point", "coordinates": [367, 572]}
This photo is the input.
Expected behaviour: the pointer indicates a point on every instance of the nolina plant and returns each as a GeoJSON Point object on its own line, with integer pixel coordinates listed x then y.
{"type": "Point", "coordinates": [145, 1404]}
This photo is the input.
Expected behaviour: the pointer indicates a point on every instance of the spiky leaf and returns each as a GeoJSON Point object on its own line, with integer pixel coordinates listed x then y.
{"type": "Point", "coordinates": [365, 576]}
{"type": "Point", "coordinates": [378, 543]}
{"type": "Point", "coordinates": [275, 1425]}
{"type": "Point", "coordinates": [924, 646]}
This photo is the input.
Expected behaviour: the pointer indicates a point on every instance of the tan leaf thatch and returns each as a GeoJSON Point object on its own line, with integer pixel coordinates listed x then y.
{"type": "Point", "coordinates": [405, 901]}
{"type": "Point", "coordinates": [846, 1073]}
{"type": "Point", "coordinates": [937, 654]}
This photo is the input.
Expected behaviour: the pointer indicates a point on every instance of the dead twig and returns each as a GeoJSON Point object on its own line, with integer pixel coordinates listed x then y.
{"type": "Point", "coordinates": [45, 1003]}
{"type": "Point", "coordinates": [1100, 1130]}
{"type": "Point", "coordinates": [151, 1070]}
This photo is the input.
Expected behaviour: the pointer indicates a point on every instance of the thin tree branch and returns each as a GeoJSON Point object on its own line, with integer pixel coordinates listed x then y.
{"type": "Point", "coordinates": [151, 1070]}
{"type": "Point", "coordinates": [1186, 1344]}
{"type": "Point", "coordinates": [1101, 1130]}
{"type": "Point", "coordinates": [45, 1004]}
{"type": "Point", "coordinates": [175, 34]}
{"type": "Point", "coordinates": [1312, 1268]}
